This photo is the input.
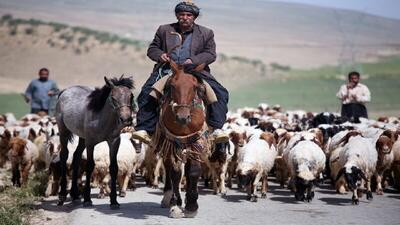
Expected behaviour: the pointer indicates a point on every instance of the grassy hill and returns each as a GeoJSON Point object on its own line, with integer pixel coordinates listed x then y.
{"type": "Point", "coordinates": [286, 33]}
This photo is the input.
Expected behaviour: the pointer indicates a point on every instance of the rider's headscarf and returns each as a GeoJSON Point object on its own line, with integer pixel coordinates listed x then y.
{"type": "Point", "coordinates": [187, 6]}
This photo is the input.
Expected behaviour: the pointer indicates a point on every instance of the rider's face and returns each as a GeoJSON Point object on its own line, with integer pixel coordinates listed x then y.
{"type": "Point", "coordinates": [185, 19]}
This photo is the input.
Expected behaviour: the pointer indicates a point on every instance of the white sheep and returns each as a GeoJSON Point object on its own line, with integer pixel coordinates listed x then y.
{"type": "Point", "coordinates": [255, 161]}
{"type": "Point", "coordinates": [305, 160]}
{"type": "Point", "coordinates": [357, 161]}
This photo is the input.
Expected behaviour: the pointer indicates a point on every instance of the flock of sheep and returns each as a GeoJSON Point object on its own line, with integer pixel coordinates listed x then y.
{"type": "Point", "coordinates": [299, 148]}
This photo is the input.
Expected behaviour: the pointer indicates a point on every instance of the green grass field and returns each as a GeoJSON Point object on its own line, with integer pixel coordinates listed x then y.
{"type": "Point", "coordinates": [317, 94]}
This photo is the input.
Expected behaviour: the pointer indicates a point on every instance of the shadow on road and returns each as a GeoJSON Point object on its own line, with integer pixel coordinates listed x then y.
{"type": "Point", "coordinates": [235, 198]}
{"type": "Point", "coordinates": [394, 196]}
{"type": "Point", "coordinates": [337, 201]}
{"type": "Point", "coordinates": [134, 210]}
{"type": "Point", "coordinates": [288, 199]}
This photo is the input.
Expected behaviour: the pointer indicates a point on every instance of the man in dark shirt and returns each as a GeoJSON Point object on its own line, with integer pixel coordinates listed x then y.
{"type": "Point", "coordinates": [41, 93]}
{"type": "Point", "coordinates": [198, 48]}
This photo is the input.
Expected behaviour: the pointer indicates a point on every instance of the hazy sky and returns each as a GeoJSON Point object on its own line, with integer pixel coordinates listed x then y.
{"type": "Point", "coordinates": [387, 8]}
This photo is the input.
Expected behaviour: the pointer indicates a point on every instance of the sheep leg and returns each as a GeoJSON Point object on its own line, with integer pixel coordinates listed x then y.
{"type": "Point", "coordinates": [75, 169]}
{"type": "Point", "coordinates": [379, 189]}
{"type": "Point", "coordinates": [25, 173]}
{"type": "Point", "coordinates": [214, 177]}
{"type": "Point", "coordinates": [50, 184]}
{"type": "Point", "coordinates": [157, 172]}
{"type": "Point", "coordinates": [254, 187]}
{"type": "Point", "coordinates": [124, 185]}
{"type": "Point", "coordinates": [264, 187]}
{"type": "Point", "coordinates": [230, 172]}
{"type": "Point", "coordinates": [222, 176]}
{"type": "Point", "coordinates": [15, 174]}
{"type": "Point", "coordinates": [354, 198]}
{"type": "Point", "coordinates": [102, 185]}
{"type": "Point", "coordinates": [114, 145]}
{"type": "Point", "coordinates": [369, 192]}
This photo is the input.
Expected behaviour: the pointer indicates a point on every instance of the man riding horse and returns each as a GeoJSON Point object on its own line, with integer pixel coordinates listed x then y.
{"type": "Point", "coordinates": [196, 47]}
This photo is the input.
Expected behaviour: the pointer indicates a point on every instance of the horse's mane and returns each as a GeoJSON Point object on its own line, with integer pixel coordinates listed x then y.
{"type": "Point", "coordinates": [190, 69]}
{"type": "Point", "coordinates": [98, 97]}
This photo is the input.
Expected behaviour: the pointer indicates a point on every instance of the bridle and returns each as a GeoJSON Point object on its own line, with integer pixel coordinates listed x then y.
{"type": "Point", "coordinates": [197, 101]}
{"type": "Point", "coordinates": [115, 106]}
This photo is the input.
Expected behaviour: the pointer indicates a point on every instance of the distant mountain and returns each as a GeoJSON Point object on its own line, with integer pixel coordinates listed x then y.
{"type": "Point", "coordinates": [285, 33]}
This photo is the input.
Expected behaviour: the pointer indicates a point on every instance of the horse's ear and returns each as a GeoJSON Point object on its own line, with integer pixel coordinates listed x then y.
{"type": "Point", "coordinates": [174, 67]}
{"type": "Point", "coordinates": [108, 82]}
{"type": "Point", "coordinates": [200, 67]}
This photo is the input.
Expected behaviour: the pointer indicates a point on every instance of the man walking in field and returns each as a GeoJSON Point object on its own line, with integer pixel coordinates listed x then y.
{"type": "Point", "coordinates": [198, 47]}
{"type": "Point", "coordinates": [354, 96]}
{"type": "Point", "coordinates": [41, 93]}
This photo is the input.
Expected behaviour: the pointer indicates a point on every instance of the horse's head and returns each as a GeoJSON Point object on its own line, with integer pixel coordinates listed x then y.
{"type": "Point", "coordinates": [121, 98]}
{"type": "Point", "coordinates": [185, 92]}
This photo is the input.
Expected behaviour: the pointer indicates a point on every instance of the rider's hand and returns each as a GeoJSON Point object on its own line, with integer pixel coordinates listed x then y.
{"type": "Point", "coordinates": [188, 61]}
{"type": "Point", "coordinates": [164, 57]}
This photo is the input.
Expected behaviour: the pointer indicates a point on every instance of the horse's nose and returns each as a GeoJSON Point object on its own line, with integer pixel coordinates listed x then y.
{"type": "Point", "coordinates": [183, 119]}
{"type": "Point", "coordinates": [126, 122]}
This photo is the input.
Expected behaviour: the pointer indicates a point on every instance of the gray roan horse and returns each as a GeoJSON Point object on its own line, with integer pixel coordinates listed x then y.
{"type": "Point", "coordinates": [95, 116]}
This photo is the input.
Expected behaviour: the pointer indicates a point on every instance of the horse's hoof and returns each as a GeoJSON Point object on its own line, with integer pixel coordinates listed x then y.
{"type": "Point", "coordinates": [154, 186]}
{"type": "Point", "coordinates": [114, 206]}
{"type": "Point", "coordinates": [76, 201]}
{"type": "Point", "coordinates": [176, 212]}
{"type": "Point", "coordinates": [369, 195]}
{"type": "Point", "coordinates": [61, 200]}
{"type": "Point", "coordinates": [379, 192]}
{"type": "Point", "coordinates": [122, 194]}
{"type": "Point", "coordinates": [223, 194]}
{"type": "Point", "coordinates": [253, 198]}
{"type": "Point", "coordinates": [263, 195]}
{"type": "Point", "coordinates": [87, 203]}
{"type": "Point", "coordinates": [190, 214]}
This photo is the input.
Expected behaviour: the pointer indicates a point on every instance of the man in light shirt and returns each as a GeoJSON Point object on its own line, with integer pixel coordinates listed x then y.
{"type": "Point", "coordinates": [354, 96]}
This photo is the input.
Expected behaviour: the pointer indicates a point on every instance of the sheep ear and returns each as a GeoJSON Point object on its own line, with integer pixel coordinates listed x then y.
{"type": "Point", "coordinates": [32, 134]}
{"type": "Point", "coordinates": [340, 174]}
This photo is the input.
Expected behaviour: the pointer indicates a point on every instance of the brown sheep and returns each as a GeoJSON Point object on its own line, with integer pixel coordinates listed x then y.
{"type": "Point", "coordinates": [23, 155]}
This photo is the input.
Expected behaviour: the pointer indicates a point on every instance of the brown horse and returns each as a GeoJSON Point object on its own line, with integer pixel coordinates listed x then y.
{"type": "Point", "coordinates": [180, 138]}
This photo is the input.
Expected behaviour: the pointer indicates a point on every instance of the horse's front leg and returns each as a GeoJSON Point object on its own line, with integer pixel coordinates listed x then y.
{"type": "Point", "coordinates": [89, 170]}
{"type": "Point", "coordinates": [192, 173]}
{"type": "Point", "coordinates": [114, 145]}
{"type": "Point", "coordinates": [62, 196]}
{"type": "Point", "coordinates": [176, 200]}
{"type": "Point", "coordinates": [76, 161]}
{"type": "Point", "coordinates": [166, 201]}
